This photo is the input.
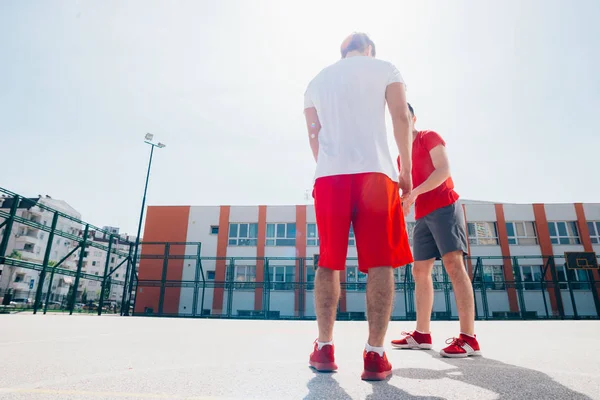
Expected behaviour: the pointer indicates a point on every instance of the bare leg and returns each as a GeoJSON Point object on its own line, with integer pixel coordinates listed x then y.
{"type": "Point", "coordinates": [327, 295]}
{"type": "Point", "coordinates": [380, 299]}
{"type": "Point", "coordinates": [463, 291]}
{"type": "Point", "coordinates": [421, 272]}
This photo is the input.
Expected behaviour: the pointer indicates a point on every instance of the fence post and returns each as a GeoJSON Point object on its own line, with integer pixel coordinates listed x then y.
{"type": "Point", "coordinates": [9, 225]}
{"type": "Point", "coordinates": [519, 287]}
{"type": "Point", "coordinates": [40, 288]}
{"type": "Point", "coordinates": [266, 289]}
{"type": "Point", "coordinates": [79, 266]}
{"type": "Point", "coordinates": [106, 264]}
{"type": "Point", "coordinates": [163, 279]}
{"type": "Point", "coordinates": [196, 283]}
{"type": "Point", "coordinates": [229, 284]}
{"type": "Point", "coordinates": [124, 301]}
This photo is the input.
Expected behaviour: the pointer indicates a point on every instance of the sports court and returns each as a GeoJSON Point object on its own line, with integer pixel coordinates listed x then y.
{"type": "Point", "coordinates": [109, 357]}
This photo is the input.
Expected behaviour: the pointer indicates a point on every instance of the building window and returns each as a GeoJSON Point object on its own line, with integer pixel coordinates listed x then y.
{"type": "Point", "coordinates": [28, 247]}
{"type": "Point", "coordinates": [521, 233]}
{"type": "Point", "coordinates": [410, 230]}
{"type": "Point", "coordinates": [243, 234]}
{"type": "Point", "coordinates": [351, 239]}
{"type": "Point", "coordinates": [400, 274]}
{"type": "Point", "coordinates": [210, 275]}
{"type": "Point", "coordinates": [41, 235]}
{"type": "Point", "coordinates": [483, 233]}
{"type": "Point", "coordinates": [577, 278]}
{"type": "Point", "coordinates": [564, 232]}
{"type": "Point", "coordinates": [437, 276]}
{"type": "Point", "coordinates": [245, 276]}
{"type": "Point", "coordinates": [531, 276]}
{"type": "Point", "coordinates": [19, 278]}
{"type": "Point", "coordinates": [112, 260]}
{"type": "Point", "coordinates": [310, 278]}
{"type": "Point", "coordinates": [214, 229]}
{"type": "Point", "coordinates": [594, 228]}
{"type": "Point", "coordinates": [116, 275]}
{"type": "Point", "coordinates": [493, 277]}
{"type": "Point", "coordinates": [93, 263]}
{"type": "Point", "coordinates": [312, 235]}
{"type": "Point", "coordinates": [282, 277]}
{"type": "Point", "coordinates": [281, 234]}
{"type": "Point", "coordinates": [355, 280]}
{"type": "Point", "coordinates": [85, 254]}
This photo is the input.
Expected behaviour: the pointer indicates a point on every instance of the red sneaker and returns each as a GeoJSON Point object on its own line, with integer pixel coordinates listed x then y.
{"type": "Point", "coordinates": [413, 340]}
{"type": "Point", "coordinates": [377, 368]}
{"type": "Point", "coordinates": [323, 360]}
{"type": "Point", "coordinates": [460, 347]}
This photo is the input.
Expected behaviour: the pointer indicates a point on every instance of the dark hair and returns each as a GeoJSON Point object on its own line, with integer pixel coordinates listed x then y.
{"type": "Point", "coordinates": [357, 41]}
{"type": "Point", "coordinates": [412, 112]}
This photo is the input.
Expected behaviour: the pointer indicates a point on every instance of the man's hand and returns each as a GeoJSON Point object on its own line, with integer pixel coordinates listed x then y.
{"type": "Point", "coordinates": [405, 182]}
{"type": "Point", "coordinates": [408, 201]}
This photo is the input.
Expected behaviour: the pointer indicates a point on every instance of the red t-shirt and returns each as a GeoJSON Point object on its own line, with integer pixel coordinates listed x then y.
{"type": "Point", "coordinates": [422, 167]}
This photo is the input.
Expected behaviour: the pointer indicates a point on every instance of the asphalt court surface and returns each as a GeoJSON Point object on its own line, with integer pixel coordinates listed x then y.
{"type": "Point", "coordinates": [111, 357]}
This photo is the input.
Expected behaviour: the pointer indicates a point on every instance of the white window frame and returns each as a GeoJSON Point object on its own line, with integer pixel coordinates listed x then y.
{"type": "Point", "coordinates": [248, 240]}
{"type": "Point", "coordinates": [284, 241]}
{"type": "Point", "coordinates": [594, 230]}
{"type": "Point", "coordinates": [522, 239]}
{"type": "Point", "coordinates": [312, 241]}
{"type": "Point", "coordinates": [285, 284]}
{"type": "Point", "coordinates": [559, 239]}
{"type": "Point", "coordinates": [479, 239]}
{"type": "Point", "coordinates": [410, 230]}
{"type": "Point", "coordinates": [574, 276]}
{"type": "Point", "coordinates": [497, 274]}
{"type": "Point", "coordinates": [400, 274]}
{"type": "Point", "coordinates": [354, 276]}
{"type": "Point", "coordinates": [532, 284]}
{"type": "Point", "coordinates": [309, 278]}
{"type": "Point", "coordinates": [248, 277]}
{"type": "Point", "coordinates": [437, 276]}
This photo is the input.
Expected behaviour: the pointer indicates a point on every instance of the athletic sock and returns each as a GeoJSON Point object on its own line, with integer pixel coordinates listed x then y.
{"type": "Point", "coordinates": [321, 344]}
{"type": "Point", "coordinates": [378, 350]}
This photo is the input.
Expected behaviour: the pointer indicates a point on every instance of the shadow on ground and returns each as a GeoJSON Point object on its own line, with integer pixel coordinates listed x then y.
{"type": "Point", "coordinates": [505, 380]}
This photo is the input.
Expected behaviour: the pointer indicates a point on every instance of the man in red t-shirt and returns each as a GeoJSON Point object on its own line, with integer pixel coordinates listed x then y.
{"type": "Point", "coordinates": [439, 233]}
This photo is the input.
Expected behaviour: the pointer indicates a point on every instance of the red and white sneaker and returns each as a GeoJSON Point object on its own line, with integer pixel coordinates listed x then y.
{"type": "Point", "coordinates": [377, 368]}
{"type": "Point", "coordinates": [323, 360]}
{"type": "Point", "coordinates": [413, 340]}
{"type": "Point", "coordinates": [460, 347]}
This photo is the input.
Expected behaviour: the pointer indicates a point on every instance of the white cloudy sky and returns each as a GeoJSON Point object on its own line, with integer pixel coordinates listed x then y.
{"type": "Point", "coordinates": [513, 86]}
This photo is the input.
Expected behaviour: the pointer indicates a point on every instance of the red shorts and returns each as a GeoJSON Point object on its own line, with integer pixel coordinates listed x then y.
{"type": "Point", "coordinates": [371, 203]}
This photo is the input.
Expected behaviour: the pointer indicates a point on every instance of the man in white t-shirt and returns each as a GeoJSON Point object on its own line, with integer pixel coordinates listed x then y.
{"type": "Point", "coordinates": [356, 183]}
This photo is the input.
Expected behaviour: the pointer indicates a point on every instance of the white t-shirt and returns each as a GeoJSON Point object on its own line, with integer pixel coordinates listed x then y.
{"type": "Point", "coordinates": [349, 97]}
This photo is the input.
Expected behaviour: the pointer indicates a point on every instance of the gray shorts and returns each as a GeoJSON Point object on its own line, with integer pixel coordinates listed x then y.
{"type": "Point", "coordinates": [440, 232]}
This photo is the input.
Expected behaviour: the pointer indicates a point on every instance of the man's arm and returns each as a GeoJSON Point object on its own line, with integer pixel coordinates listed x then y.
{"type": "Point", "coordinates": [395, 96]}
{"type": "Point", "coordinates": [439, 158]}
{"type": "Point", "coordinates": [314, 127]}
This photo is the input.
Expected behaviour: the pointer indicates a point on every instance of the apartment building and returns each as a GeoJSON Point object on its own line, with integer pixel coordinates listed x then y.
{"type": "Point", "coordinates": [30, 244]}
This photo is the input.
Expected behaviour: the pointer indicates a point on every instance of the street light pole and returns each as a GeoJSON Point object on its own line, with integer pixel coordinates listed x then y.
{"type": "Point", "coordinates": [149, 137]}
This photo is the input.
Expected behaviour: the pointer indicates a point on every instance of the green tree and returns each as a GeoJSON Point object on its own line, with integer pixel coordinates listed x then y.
{"type": "Point", "coordinates": [16, 255]}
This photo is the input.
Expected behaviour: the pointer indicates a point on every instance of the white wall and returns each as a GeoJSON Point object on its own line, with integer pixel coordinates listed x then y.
{"type": "Point", "coordinates": [518, 212]}
{"type": "Point", "coordinates": [560, 212]}
{"type": "Point", "coordinates": [480, 212]}
{"type": "Point", "coordinates": [592, 211]}
{"type": "Point", "coordinates": [243, 214]}
{"type": "Point", "coordinates": [281, 214]}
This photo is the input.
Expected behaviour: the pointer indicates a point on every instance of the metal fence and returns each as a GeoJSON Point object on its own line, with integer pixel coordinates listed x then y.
{"type": "Point", "coordinates": [60, 282]}
{"type": "Point", "coordinates": [542, 287]}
